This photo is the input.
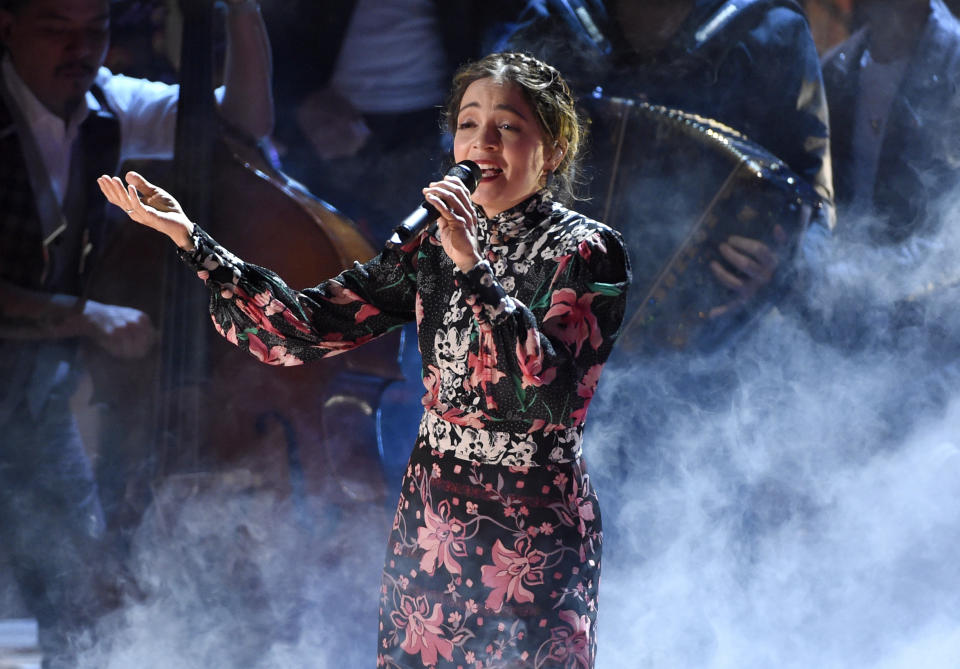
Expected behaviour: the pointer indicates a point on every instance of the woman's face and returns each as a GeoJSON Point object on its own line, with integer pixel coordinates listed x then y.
{"type": "Point", "coordinates": [497, 130]}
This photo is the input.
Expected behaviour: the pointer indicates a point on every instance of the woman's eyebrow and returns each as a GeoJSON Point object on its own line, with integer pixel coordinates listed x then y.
{"type": "Point", "coordinates": [504, 106]}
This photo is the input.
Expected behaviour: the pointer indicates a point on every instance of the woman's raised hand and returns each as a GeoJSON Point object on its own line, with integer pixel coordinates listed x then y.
{"type": "Point", "coordinates": [150, 206]}
{"type": "Point", "coordinates": [457, 223]}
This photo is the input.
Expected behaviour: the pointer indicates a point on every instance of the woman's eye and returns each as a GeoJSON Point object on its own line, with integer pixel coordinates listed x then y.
{"type": "Point", "coordinates": [465, 124]}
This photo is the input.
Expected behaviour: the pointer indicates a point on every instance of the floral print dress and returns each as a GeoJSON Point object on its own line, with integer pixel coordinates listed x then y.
{"type": "Point", "coordinates": [494, 556]}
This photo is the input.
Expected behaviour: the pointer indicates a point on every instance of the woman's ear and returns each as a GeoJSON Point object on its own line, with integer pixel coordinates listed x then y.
{"type": "Point", "coordinates": [555, 156]}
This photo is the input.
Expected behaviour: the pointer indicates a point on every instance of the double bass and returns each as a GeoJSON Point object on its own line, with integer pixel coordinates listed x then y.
{"type": "Point", "coordinates": [197, 406]}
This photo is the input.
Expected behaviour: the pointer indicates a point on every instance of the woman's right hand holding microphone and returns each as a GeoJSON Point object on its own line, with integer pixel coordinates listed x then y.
{"type": "Point", "coordinates": [149, 205]}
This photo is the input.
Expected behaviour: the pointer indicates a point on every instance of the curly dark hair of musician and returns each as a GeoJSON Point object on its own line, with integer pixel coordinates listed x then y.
{"type": "Point", "coordinates": [548, 95]}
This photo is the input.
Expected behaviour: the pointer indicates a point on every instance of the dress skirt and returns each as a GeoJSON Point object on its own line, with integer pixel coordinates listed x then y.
{"type": "Point", "coordinates": [490, 566]}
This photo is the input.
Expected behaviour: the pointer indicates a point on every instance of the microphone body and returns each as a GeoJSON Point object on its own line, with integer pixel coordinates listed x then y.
{"type": "Point", "coordinates": [420, 219]}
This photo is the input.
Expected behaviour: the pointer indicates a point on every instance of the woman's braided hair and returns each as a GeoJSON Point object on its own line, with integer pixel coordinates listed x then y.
{"type": "Point", "coordinates": [546, 92]}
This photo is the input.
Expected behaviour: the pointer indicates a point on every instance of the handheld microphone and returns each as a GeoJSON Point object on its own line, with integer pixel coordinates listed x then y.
{"type": "Point", "coordinates": [467, 171]}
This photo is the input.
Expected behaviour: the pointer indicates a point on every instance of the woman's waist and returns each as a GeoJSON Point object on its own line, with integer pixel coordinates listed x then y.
{"type": "Point", "coordinates": [466, 437]}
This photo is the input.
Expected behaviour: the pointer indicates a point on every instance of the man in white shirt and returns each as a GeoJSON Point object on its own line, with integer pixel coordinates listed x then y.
{"type": "Point", "coordinates": [64, 117]}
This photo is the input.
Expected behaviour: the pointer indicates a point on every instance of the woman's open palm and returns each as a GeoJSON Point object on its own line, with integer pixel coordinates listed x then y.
{"type": "Point", "coordinates": [148, 205]}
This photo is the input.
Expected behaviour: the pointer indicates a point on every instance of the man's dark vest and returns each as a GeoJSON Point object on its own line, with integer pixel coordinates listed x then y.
{"type": "Point", "coordinates": [29, 370]}
{"type": "Point", "coordinates": [22, 256]}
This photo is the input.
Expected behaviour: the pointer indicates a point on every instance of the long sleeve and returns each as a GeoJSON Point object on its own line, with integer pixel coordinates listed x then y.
{"type": "Point", "coordinates": [282, 326]}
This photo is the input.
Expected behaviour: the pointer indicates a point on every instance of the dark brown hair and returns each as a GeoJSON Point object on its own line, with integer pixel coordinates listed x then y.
{"type": "Point", "coordinates": [547, 94]}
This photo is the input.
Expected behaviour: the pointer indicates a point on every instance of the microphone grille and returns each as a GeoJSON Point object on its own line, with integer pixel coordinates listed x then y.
{"type": "Point", "coordinates": [468, 172]}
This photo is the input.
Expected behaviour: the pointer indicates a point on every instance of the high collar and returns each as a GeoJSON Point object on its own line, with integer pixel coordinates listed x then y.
{"type": "Point", "coordinates": [521, 217]}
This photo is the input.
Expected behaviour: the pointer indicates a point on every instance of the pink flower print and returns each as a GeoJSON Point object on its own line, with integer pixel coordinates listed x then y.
{"type": "Point", "coordinates": [587, 385]}
{"type": "Point", "coordinates": [484, 366]}
{"type": "Point", "coordinates": [458, 417]}
{"type": "Point", "coordinates": [418, 309]}
{"type": "Point", "coordinates": [271, 306]}
{"type": "Point", "coordinates": [568, 647]}
{"type": "Point", "coordinates": [230, 335]}
{"type": "Point", "coordinates": [562, 262]}
{"type": "Point", "coordinates": [441, 539]}
{"type": "Point", "coordinates": [585, 508]}
{"type": "Point", "coordinates": [269, 303]}
{"type": "Point", "coordinates": [531, 362]}
{"type": "Point", "coordinates": [254, 311]}
{"type": "Point", "coordinates": [484, 370]}
{"type": "Point", "coordinates": [511, 571]}
{"type": "Point", "coordinates": [292, 320]}
{"type": "Point", "coordinates": [423, 634]}
{"type": "Point", "coordinates": [577, 416]}
{"type": "Point", "coordinates": [335, 343]}
{"type": "Point", "coordinates": [540, 425]}
{"type": "Point", "coordinates": [365, 312]}
{"type": "Point", "coordinates": [341, 295]}
{"type": "Point", "coordinates": [570, 319]}
{"type": "Point", "coordinates": [277, 355]}
{"type": "Point", "coordinates": [584, 249]}
{"type": "Point", "coordinates": [431, 381]}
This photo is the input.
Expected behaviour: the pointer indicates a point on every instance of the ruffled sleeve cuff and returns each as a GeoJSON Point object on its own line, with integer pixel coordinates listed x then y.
{"type": "Point", "coordinates": [213, 263]}
{"type": "Point", "coordinates": [484, 294]}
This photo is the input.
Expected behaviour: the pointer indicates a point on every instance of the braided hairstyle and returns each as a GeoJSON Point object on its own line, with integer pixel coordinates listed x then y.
{"type": "Point", "coordinates": [547, 94]}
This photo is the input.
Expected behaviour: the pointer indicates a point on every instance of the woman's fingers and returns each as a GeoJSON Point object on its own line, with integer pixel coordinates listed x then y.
{"type": "Point", "coordinates": [457, 221]}
{"type": "Point", "coordinates": [121, 195]}
{"type": "Point", "coordinates": [126, 197]}
{"type": "Point", "coordinates": [114, 195]}
{"type": "Point", "coordinates": [455, 200]}
{"type": "Point", "coordinates": [137, 185]}
{"type": "Point", "coordinates": [442, 206]}
{"type": "Point", "coordinates": [137, 211]}
{"type": "Point", "coordinates": [140, 183]}
{"type": "Point", "coordinates": [460, 190]}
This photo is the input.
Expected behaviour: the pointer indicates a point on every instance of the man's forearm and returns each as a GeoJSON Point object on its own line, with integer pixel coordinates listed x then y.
{"type": "Point", "coordinates": [248, 99]}
{"type": "Point", "coordinates": [29, 314]}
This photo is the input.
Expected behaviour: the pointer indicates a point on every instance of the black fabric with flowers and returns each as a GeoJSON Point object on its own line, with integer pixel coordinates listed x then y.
{"type": "Point", "coordinates": [494, 558]}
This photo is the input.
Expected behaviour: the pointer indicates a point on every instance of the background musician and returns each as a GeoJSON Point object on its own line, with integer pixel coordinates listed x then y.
{"type": "Point", "coordinates": [64, 117]}
{"type": "Point", "coordinates": [892, 89]}
{"type": "Point", "coordinates": [750, 65]}
{"type": "Point", "coordinates": [894, 103]}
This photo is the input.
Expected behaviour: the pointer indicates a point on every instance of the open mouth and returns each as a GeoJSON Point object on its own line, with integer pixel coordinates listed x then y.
{"type": "Point", "coordinates": [490, 172]}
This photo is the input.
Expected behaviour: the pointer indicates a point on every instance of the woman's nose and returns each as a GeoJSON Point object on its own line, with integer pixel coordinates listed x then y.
{"type": "Point", "coordinates": [488, 137]}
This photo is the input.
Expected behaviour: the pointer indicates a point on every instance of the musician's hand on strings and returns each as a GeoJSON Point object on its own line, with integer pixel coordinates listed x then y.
{"type": "Point", "coordinates": [149, 205]}
{"type": "Point", "coordinates": [749, 265]}
{"type": "Point", "coordinates": [457, 223]}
